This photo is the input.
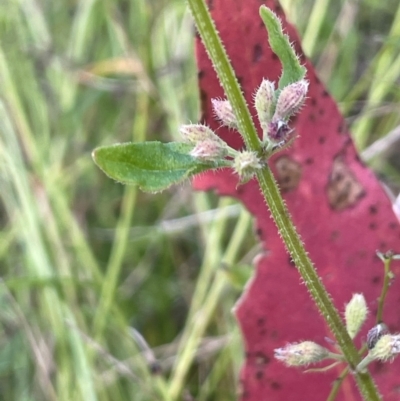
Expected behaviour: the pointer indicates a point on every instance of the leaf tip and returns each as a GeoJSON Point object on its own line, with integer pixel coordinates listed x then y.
{"type": "Point", "coordinates": [95, 155]}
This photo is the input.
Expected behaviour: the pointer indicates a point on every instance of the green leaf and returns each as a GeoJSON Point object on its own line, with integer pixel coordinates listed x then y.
{"type": "Point", "coordinates": [293, 71]}
{"type": "Point", "coordinates": [153, 166]}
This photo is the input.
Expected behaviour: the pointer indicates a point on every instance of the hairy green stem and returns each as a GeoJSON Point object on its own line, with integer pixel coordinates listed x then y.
{"type": "Point", "coordinates": [223, 67]}
{"type": "Point", "coordinates": [273, 197]}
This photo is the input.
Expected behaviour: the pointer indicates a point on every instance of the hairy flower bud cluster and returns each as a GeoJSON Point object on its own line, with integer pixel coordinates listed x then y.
{"type": "Point", "coordinates": [386, 349]}
{"type": "Point", "coordinates": [356, 312]}
{"type": "Point", "coordinates": [302, 354]}
{"type": "Point", "coordinates": [274, 108]}
{"type": "Point", "coordinates": [210, 147]}
{"type": "Point", "coordinates": [274, 115]}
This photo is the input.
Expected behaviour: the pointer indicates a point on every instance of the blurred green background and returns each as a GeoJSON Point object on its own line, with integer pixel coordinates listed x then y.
{"type": "Point", "coordinates": [107, 293]}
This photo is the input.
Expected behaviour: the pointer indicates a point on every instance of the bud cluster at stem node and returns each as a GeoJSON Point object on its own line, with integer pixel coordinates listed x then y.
{"type": "Point", "coordinates": [275, 108]}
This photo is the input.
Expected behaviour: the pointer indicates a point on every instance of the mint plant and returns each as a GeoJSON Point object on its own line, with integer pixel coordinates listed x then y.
{"type": "Point", "coordinates": [154, 166]}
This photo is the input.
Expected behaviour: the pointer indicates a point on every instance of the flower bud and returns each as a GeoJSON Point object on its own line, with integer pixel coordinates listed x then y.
{"type": "Point", "coordinates": [375, 334]}
{"type": "Point", "coordinates": [355, 314]}
{"type": "Point", "coordinates": [224, 112]}
{"type": "Point", "coordinates": [245, 165]}
{"type": "Point", "coordinates": [301, 354]}
{"type": "Point", "coordinates": [210, 150]}
{"type": "Point", "coordinates": [290, 100]}
{"type": "Point", "coordinates": [263, 101]}
{"type": "Point", "coordinates": [194, 133]}
{"type": "Point", "coordinates": [277, 132]}
{"type": "Point", "coordinates": [387, 347]}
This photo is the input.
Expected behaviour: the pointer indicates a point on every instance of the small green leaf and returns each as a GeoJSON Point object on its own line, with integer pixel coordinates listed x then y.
{"type": "Point", "coordinates": [153, 166]}
{"type": "Point", "coordinates": [293, 71]}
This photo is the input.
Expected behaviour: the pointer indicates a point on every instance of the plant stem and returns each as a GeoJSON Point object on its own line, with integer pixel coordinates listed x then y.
{"type": "Point", "coordinates": [310, 277]}
{"type": "Point", "coordinates": [273, 197]}
{"type": "Point", "coordinates": [225, 72]}
{"type": "Point", "coordinates": [385, 287]}
{"type": "Point", "coordinates": [336, 385]}
{"type": "Point", "coordinates": [303, 263]}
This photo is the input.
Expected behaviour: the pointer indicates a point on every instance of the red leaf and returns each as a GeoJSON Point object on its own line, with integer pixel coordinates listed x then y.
{"type": "Point", "coordinates": [337, 204]}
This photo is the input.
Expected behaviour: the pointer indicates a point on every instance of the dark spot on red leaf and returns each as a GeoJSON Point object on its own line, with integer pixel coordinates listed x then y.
{"type": "Point", "coordinates": [372, 226]}
{"type": "Point", "coordinates": [314, 101]}
{"type": "Point", "coordinates": [325, 93]}
{"type": "Point", "coordinates": [335, 235]}
{"type": "Point", "coordinates": [309, 160]}
{"type": "Point", "coordinates": [275, 386]}
{"type": "Point", "coordinates": [210, 4]}
{"type": "Point", "coordinates": [396, 389]}
{"type": "Point", "coordinates": [311, 117]}
{"type": "Point", "coordinates": [274, 57]}
{"type": "Point", "coordinates": [259, 374]}
{"type": "Point", "coordinates": [200, 75]}
{"type": "Point", "coordinates": [343, 189]}
{"type": "Point", "coordinates": [261, 321]}
{"type": "Point", "coordinates": [240, 190]}
{"type": "Point", "coordinates": [373, 209]}
{"type": "Point", "coordinates": [274, 334]}
{"type": "Point", "coordinates": [380, 366]}
{"type": "Point", "coordinates": [288, 173]}
{"type": "Point", "coordinates": [261, 359]}
{"type": "Point", "coordinates": [257, 52]}
{"type": "Point", "coordinates": [393, 225]}
{"type": "Point", "coordinates": [203, 101]}
{"type": "Point", "coordinates": [321, 112]}
{"type": "Point", "coordinates": [259, 232]}
{"type": "Point", "coordinates": [376, 280]}
{"type": "Point", "coordinates": [321, 140]}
